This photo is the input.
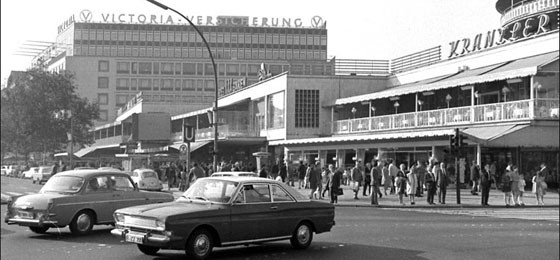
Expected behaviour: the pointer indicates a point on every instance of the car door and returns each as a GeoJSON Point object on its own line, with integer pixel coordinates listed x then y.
{"type": "Point", "coordinates": [285, 216]}
{"type": "Point", "coordinates": [251, 213]}
{"type": "Point", "coordinates": [127, 194]}
{"type": "Point", "coordinates": [99, 197]}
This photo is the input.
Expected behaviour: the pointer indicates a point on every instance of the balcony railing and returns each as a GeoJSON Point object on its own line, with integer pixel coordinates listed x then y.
{"type": "Point", "coordinates": [498, 112]}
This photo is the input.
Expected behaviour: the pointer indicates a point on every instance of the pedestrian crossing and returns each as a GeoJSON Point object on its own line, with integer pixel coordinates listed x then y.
{"type": "Point", "coordinates": [528, 213]}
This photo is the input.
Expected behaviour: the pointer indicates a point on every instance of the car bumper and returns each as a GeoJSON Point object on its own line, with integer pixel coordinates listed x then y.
{"type": "Point", "coordinates": [31, 222]}
{"type": "Point", "coordinates": [145, 238]}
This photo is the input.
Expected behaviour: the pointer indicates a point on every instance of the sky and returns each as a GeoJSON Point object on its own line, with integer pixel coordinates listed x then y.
{"type": "Point", "coordinates": [357, 29]}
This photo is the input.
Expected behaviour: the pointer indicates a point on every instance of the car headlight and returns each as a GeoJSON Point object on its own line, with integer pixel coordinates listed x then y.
{"type": "Point", "coordinates": [118, 217]}
{"type": "Point", "coordinates": [160, 224]}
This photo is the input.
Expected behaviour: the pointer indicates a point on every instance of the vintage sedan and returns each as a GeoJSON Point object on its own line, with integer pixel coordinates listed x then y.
{"type": "Point", "coordinates": [225, 211]}
{"type": "Point", "coordinates": [80, 199]}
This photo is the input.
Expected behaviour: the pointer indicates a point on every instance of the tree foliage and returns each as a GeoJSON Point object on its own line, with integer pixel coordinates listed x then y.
{"type": "Point", "coordinates": [32, 114]}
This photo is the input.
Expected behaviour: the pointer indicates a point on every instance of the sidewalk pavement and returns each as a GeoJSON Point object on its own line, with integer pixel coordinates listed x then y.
{"type": "Point", "coordinates": [495, 200]}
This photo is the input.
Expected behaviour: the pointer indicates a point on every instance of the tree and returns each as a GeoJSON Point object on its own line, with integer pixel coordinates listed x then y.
{"type": "Point", "coordinates": [34, 112]}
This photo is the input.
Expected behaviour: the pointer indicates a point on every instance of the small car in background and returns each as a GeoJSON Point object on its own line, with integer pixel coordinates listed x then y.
{"type": "Point", "coordinates": [43, 174]}
{"type": "Point", "coordinates": [225, 211]}
{"type": "Point", "coordinates": [29, 173]}
{"type": "Point", "coordinates": [79, 199]}
{"type": "Point", "coordinates": [234, 174]}
{"type": "Point", "coordinates": [146, 179]}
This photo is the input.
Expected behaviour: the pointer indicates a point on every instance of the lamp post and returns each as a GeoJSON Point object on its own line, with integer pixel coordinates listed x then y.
{"type": "Point", "coordinates": [448, 99]}
{"type": "Point", "coordinates": [215, 106]}
{"type": "Point", "coordinates": [396, 105]}
{"type": "Point", "coordinates": [420, 103]}
{"type": "Point", "coordinates": [505, 91]}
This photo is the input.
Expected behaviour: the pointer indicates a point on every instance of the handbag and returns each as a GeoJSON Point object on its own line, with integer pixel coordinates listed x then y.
{"type": "Point", "coordinates": [339, 192]}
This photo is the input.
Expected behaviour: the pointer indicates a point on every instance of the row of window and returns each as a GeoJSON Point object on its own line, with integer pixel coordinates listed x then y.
{"type": "Point", "coordinates": [200, 52]}
{"type": "Point", "coordinates": [204, 29]}
{"type": "Point", "coordinates": [193, 37]}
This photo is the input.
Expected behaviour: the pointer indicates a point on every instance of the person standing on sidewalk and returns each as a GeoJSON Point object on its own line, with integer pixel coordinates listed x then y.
{"type": "Point", "coordinates": [539, 184]}
{"type": "Point", "coordinates": [521, 187]}
{"type": "Point", "coordinates": [442, 180]}
{"type": "Point", "coordinates": [325, 177]}
{"type": "Point", "coordinates": [385, 177]}
{"type": "Point", "coordinates": [400, 185]}
{"type": "Point", "coordinates": [411, 185]}
{"type": "Point", "coordinates": [485, 183]}
{"type": "Point", "coordinates": [515, 185]}
{"type": "Point", "coordinates": [420, 171]}
{"type": "Point", "coordinates": [430, 181]}
{"type": "Point", "coordinates": [314, 181]}
{"type": "Point", "coordinates": [301, 175]}
{"type": "Point", "coordinates": [475, 175]}
{"type": "Point", "coordinates": [356, 175]}
{"type": "Point", "coordinates": [506, 187]}
{"type": "Point", "coordinates": [374, 184]}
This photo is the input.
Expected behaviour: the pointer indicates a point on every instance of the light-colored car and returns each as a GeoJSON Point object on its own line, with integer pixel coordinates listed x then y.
{"type": "Point", "coordinates": [80, 199]}
{"type": "Point", "coordinates": [29, 173]}
{"type": "Point", "coordinates": [225, 211]}
{"type": "Point", "coordinates": [4, 170]}
{"type": "Point", "coordinates": [234, 174]}
{"type": "Point", "coordinates": [146, 179]}
{"type": "Point", "coordinates": [42, 175]}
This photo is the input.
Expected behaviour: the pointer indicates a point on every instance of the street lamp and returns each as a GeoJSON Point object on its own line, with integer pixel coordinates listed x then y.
{"type": "Point", "coordinates": [396, 105]}
{"type": "Point", "coordinates": [420, 103]}
{"type": "Point", "coordinates": [505, 91]}
{"type": "Point", "coordinates": [448, 99]}
{"type": "Point", "coordinates": [215, 107]}
{"type": "Point", "coordinates": [354, 110]}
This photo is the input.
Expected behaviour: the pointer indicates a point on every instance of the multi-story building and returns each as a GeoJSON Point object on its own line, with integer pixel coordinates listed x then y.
{"type": "Point", "coordinates": [500, 89]}
{"type": "Point", "coordinates": [117, 57]}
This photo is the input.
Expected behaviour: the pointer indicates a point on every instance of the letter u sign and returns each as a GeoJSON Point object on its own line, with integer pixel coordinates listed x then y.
{"type": "Point", "coordinates": [188, 134]}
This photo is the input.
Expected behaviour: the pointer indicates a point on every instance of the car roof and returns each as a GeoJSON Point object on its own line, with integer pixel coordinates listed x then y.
{"type": "Point", "coordinates": [245, 179]}
{"type": "Point", "coordinates": [86, 173]}
{"type": "Point", "coordinates": [234, 173]}
{"type": "Point", "coordinates": [144, 170]}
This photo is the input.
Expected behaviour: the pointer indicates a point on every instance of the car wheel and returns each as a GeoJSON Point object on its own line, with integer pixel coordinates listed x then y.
{"type": "Point", "coordinates": [82, 223]}
{"type": "Point", "coordinates": [302, 236]}
{"type": "Point", "coordinates": [200, 244]}
{"type": "Point", "coordinates": [148, 250]}
{"type": "Point", "coordinates": [39, 230]}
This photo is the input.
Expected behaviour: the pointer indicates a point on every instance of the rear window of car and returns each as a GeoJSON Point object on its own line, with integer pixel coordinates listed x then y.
{"type": "Point", "coordinates": [149, 175]}
{"type": "Point", "coordinates": [63, 184]}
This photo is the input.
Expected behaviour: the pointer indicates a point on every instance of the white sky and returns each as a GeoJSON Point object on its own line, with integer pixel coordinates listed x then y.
{"type": "Point", "coordinates": [357, 29]}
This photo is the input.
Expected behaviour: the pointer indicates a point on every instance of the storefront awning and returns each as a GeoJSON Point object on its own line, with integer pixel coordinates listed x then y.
{"type": "Point", "coordinates": [506, 70]}
{"type": "Point", "coordinates": [194, 145]}
{"type": "Point", "coordinates": [88, 151]}
{"type": "Point", "coordinates": [513, 135]}
{"type": "Point", "coordinates": [368, 137]}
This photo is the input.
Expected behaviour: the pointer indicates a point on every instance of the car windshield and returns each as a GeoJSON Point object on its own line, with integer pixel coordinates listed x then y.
{"type": "Point", "coordinates": [209, 189]}
{"type": "Point", "coordinates": [149, 174]}
{"type": "Point", "coordinates": [63, 184]}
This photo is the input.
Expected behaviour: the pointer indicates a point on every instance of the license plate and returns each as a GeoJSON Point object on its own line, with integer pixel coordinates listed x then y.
{"type": "Point", "coordinates": [25, 214]}
{"type": "Point", "coordinates": [134, 238]}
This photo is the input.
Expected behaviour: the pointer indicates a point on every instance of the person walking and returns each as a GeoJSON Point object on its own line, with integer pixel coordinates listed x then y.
{"type": "Point", "coordinates": [485, 183]}
{"type": "Point", "coordinates": [366, 177]}
{"type": "Point", "coordinates": [411, 185]}
{"type": "Point", "coordinates": [325, 177]}
{"type": "Point", "coordinates": [442, 181]}
{"type": "Point", "coordinates": [283, 171]}
{"type": "Point", "coordinates": [314, 181]}
{"type": "Point", "coordinates": [334, 184]}
{"type": "Point", "coordinates": [475, 175]}
{"type": "Point", "coordinates": [301, 175]}
{"type": "Point", "coordinates": [385, 177]}
{"type": "Point", "coordinates": [506, 186]}
{"type": "Point", "coordinates": [400, 185]}
{"type": "Point", "coordinates": [374, 184]}
{"type": "Point", "coordinates": [170, 173]}
{"type": "Point", "coordinates": [356, 175]}
{"type": "Point", "coordinates": [430, 181]}
{"type": "Point", "coordinates": [515, 185]}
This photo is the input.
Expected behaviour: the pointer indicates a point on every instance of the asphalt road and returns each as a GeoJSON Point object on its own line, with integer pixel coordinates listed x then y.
{"type": "Point", "coordinates": [360, 233]}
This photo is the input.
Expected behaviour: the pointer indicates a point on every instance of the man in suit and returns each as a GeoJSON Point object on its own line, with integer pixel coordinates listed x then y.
{"type": "Point", "coordinates": [442, 180]}
{"type": "Point", "coordinates": [430, 181]}
{"type": "Point", "coordinates": [485, 182]}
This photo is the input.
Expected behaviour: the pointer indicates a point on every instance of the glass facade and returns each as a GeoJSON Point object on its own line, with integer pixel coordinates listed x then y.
{"type": "Point", "coordinates": [276, 111]}
{"type": "Point", "coordinates": [307, 108]}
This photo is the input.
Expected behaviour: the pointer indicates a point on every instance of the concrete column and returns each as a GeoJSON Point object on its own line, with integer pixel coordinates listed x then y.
{"type": "Point", "coordinates": [340, 154]}
{"type": "Point", "coordinates": [323, 158]}
{"type": "Point", "coordinates": [478, 154]}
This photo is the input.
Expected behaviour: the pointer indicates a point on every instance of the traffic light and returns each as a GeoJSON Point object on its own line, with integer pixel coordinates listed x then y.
{"type": "Point", "coordinates": [462, 139]}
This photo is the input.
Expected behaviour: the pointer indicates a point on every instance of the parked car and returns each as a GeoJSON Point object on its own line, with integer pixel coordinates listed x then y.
{"type": "Point", "coordinates": [80, 199]}
{"type": "Point", "coordinates": [29, 173]}
{"type": "Point", "coordinates": [42, 175]}
{"type": "Point", "coordinates": [4, 170]}
{"type": "Point", "coordinates": [146, 179]}
{"type": "Point", "coordinates": [234, 174]}
{"type": "Point", "coordinates": [225, 211]}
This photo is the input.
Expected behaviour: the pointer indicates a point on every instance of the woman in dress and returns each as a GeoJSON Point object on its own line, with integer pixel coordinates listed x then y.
{"type": "Point", "coordinates": [385, 177]}
{"type": "Point", "coordinates": [411, 185]}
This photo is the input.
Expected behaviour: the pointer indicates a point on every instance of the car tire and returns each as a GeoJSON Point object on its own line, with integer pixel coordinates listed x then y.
{"type": "Point", "coordinates": [200, 244]}
{"type": "Point", "coordinates": [39, 230]}
{"type": "Point", "coordinates": [302, 236]}
{"type": "Point", "coordinates": [148, 250]}
{"type": "Point", "coordinates": [82, 223]}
